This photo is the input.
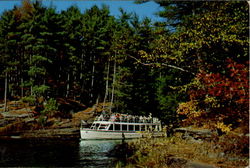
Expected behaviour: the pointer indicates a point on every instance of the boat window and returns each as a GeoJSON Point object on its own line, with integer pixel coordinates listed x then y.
{"type": "Point", "coordinates": [153, 128]}
{"type": "Point", "coordinates": [111, 127]}
{"type": "Point", "coordinates": [137, 128]}
{"type": "Point", "coordinates": [97, 125]}
{"type": "Point", "coordinates": [131, 128]}
{"type": "Point", "coordinates": [117, 127]}
{"type": "Point", "coordinates": [143, 128]}
{"type": "Point", "coordinates": [124, 127]}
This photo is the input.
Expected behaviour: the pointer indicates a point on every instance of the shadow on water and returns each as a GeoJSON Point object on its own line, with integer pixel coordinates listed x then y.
{"type": "Point", "coordinates": [57, 153]}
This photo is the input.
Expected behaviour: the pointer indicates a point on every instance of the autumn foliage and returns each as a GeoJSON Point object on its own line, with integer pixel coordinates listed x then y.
{"type": "Point", "coordinates": [219, 100]}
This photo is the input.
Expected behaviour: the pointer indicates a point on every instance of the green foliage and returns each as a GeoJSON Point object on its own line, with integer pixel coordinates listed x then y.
{"type": "Point", "coordinates": [66, 54]}
{"type": "Point", "coordinates": [123, 89]}
{"type": "Point", "coordinates": [40, 90]}
{"type": "Point", "coordinates": [168, 97]}
{"type": "Point", "coordinates": [26, 83]}
{"type": "Point", "coordinates": [192, 46]}
{"type": "Point", "coordinates": [42, 120]}
{"type": "Point", "coordinates": [29, 99]}
{"type": "Point", "coordinates": [36, 71]}
{"type": "Point", "coordinates": [50, 108]}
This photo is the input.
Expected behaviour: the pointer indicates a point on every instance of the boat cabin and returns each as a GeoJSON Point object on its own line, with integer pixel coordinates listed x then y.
{"type": "Point", "coordinates": [126, 123]}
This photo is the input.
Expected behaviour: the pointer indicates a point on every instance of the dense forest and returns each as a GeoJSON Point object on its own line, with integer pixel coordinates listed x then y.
{"type": "Point", "coordinates": [193, 67]}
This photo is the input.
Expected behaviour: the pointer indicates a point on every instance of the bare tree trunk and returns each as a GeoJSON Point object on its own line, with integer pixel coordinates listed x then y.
{"type": "Point", "coordinates": [5, 91]}
{"type": "Point", "coordinates": [31, 79]}
{"type": "Point", "coordinates": [74, 79]}
{"type": "Point", "coordinates": [82, 81]}
{"type": "Point", "coordinates": [67, 91]}
{"type": "Point", "coordinates": [81, 74]}
{"type": "Point", "coordinates": [11, 90]}
{"type": "Point", "coordinates": [31, 87]}
{"type": "Point", "coordinates": [22, 87]}
{"type": "Point", "coordinates": [113, 88]}
{"type": "Point", "coordinates": [59, 73]}
{"type": "Point", "coordinates": [92, 80]}
{"type": "Point", "coordinates": [107, 86]}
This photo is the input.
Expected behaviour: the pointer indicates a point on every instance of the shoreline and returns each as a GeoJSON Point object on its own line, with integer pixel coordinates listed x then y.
{"type": "Point", "coordinates": [59, 133]}
{"type": "Point", "coordinates": [21, 122]}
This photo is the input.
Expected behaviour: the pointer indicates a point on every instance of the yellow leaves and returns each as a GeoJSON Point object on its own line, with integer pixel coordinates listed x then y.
{"type": "Point", "coordinates": [168, 57]}
{"type": "Point", "coordinates": [189, 109]}
{"type": "Point", "coordinates": [142, 53]}
{"type": "Point", "coordinates": [223, 127]}
{"type": "Point", "coordinates": [212, 102]}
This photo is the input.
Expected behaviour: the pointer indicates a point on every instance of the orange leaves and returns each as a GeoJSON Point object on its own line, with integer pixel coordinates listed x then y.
{"type": "Point", "coordinates": [232, 86]}
{"type": "Point", "coordinates": [219, 97]}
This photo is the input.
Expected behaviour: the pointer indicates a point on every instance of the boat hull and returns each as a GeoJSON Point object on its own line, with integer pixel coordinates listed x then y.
{"type": "Point", "coordinates": [101, 134]}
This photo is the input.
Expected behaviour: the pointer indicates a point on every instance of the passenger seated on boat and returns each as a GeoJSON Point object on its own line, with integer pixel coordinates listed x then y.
{"type": "Point", "coordinates": [141, 119]}
{"type": "Point", "coordinates": [130, 118]}
{"type": "Point", "coordinates": [113, 117]}
{"type": "Point", "coordinates": [117, 117]}
{"type": "Point", "coordinates": [133, 119]}
{"type": "Point", "coordinates": [149, 119]}
{"type": "Point", "coordinates": [136, 119]}
{"type": "Point", "coordinates": [125, 119]}
{"type": "Point", "coordinates": [120, 118]}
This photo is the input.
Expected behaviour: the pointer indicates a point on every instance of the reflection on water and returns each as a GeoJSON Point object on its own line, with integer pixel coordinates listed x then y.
{"type": "Point", "coordinates": [96, 153]}
{"type": "Point", "coordinates": [57, 153]}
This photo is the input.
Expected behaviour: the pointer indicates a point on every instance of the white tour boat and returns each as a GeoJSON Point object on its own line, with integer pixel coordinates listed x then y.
{"type": "Point", "coordinates": [121, 126]}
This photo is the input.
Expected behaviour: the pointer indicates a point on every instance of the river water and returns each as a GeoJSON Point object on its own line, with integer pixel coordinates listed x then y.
{"type": "Point", "coordinates": [58, 153]}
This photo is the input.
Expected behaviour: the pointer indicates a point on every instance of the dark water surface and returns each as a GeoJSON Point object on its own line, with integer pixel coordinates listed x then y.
{"type": "Point", "coordinates": [57, 153]}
